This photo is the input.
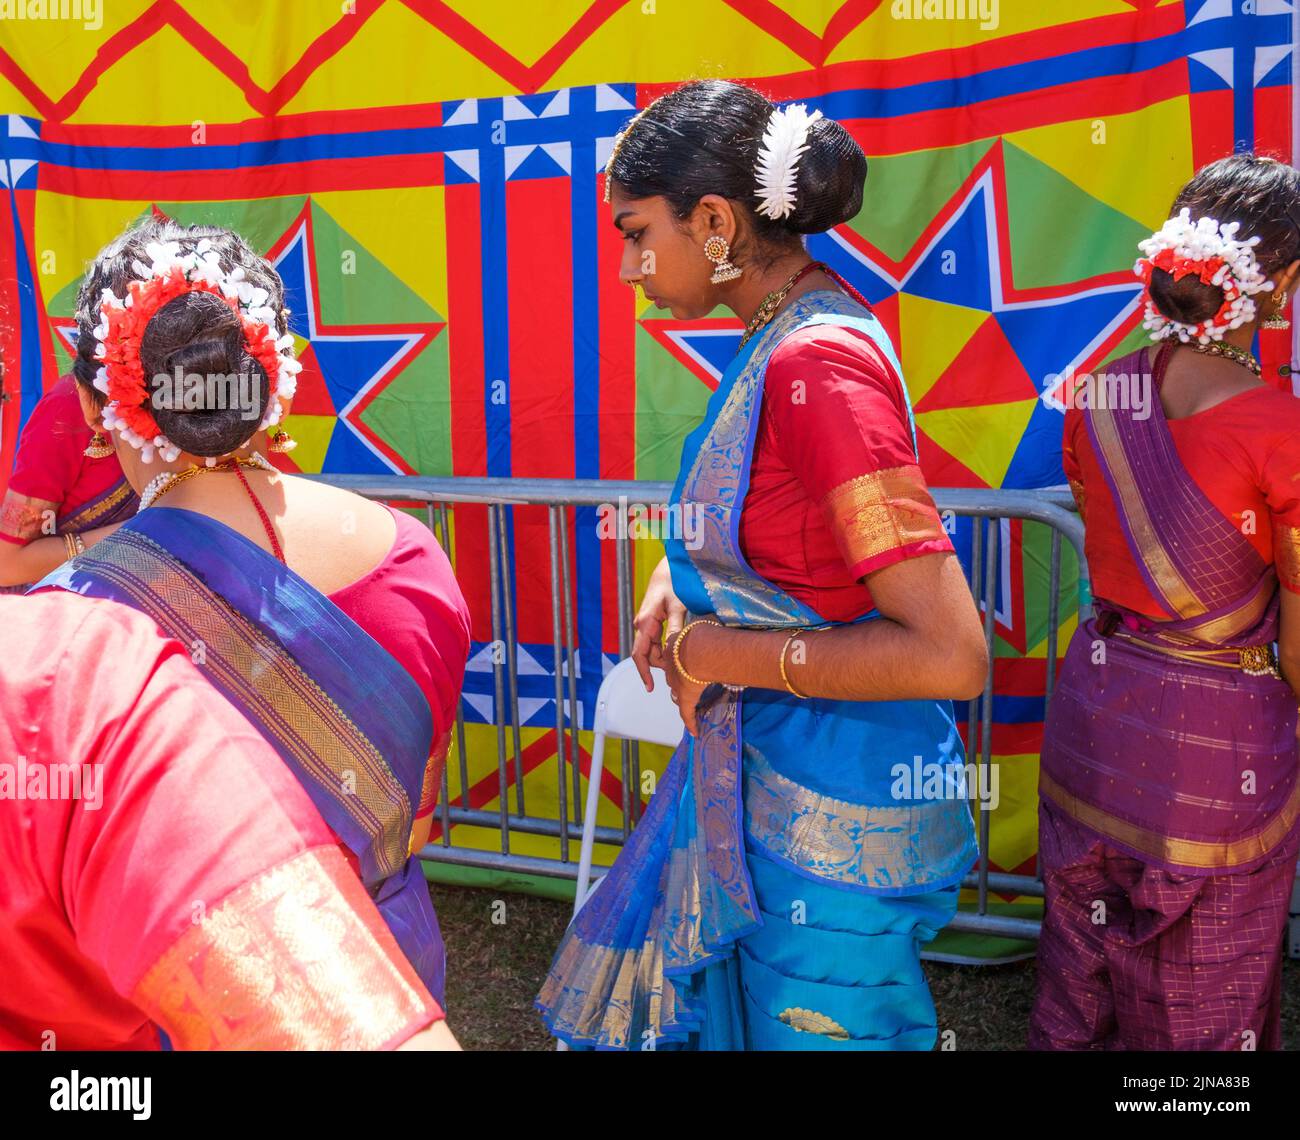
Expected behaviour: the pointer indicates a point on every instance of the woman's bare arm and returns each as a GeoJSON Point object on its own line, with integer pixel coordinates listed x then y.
{"type": "Point", "coordinates": [436, 1038]}
{"type": "Point", "coordinates": [30, 563]}
{"type": "Point", "coordinates": [930, 644]}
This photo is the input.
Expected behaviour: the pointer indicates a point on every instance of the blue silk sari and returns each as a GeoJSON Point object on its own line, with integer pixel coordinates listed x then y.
{"type": "Point", "coordinates": [777, 889]}
{"type": "Point", "coordinates": [349, 722]}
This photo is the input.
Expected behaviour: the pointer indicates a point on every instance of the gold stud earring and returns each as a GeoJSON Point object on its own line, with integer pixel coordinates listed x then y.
{"type": "Point", "coordinates": [99, 446]}
{"type": "Point", "coordinates": [718, 250]}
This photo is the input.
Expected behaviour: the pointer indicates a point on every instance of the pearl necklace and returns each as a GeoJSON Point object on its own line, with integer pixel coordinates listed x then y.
{"type": "Point", "coordinates": [160, 484]}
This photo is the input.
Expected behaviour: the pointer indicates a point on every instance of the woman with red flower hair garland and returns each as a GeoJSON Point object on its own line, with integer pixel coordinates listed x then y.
{"type": "Point", "coordinates": [66, 490]}
{"type": "Point", "coordinates": [335, 625]}
{"type": "Point", "coordinates": [1170, 788]}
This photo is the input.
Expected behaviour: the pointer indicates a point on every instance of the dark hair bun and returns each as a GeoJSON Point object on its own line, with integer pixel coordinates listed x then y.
{"type": "Point", "coordinates": [1188, 299]}
{"type": "Point", "coordinates": [829, 181]}
{"type": "Point", "coordinates": [198, 335]}
{"type": "Point", "coordinates": [1259, 193]}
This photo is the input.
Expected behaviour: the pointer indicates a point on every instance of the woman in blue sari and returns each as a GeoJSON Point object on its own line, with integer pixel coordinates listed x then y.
{"type": "Point", "coordinates": [810, 832]}
{"type": "Point", "coordinates": [333, 624]}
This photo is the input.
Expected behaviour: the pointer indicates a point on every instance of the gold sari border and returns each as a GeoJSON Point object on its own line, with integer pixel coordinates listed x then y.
{"type": "Point", "coordinates": [296, 958]}
{"type": "Point", "coordinates": [868, 845]}
{"type": "Point", "coordinates": [1286, 555]}
{"type": "Point", "coordinates": [880, 512]}
{"type": "Point", "coordinates": [1216, 855]}
{"type": "Point", "coordinates": [84, 518]}
{"type": "Point", "coordinates": [300, 716]}
{"type": "Point", "coordinates": [1172, 585]}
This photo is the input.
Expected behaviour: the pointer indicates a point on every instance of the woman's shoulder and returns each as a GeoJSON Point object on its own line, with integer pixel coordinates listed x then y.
{"type": "Point", "coordinates": [828, 344]}
{"type": "Point", "coordinates": [415, 563]}
{"type": "Point", "coordinates": [60, 408]}
{"type": "Point", "coordinates": [822, 372]}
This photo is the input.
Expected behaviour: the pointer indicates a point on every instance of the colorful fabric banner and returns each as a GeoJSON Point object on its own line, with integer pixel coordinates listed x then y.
{"type": "Point", "coordinates": [425, 175]}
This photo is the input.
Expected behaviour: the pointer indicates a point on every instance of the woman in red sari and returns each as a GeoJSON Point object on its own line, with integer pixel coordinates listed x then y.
{"type": "Point", "coordinates": [66, 482]}
{"type": "Point", "coordinates": [1170, 787]}
{"type": "Point", "coordinates": [164, 873]}
{"type": "Point", "coordinates": [333, 623]}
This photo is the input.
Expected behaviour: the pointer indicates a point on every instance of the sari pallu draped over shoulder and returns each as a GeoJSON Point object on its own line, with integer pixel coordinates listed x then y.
{"type": "Point", "coordinates": [1175, 738]}
{"type": "Point", "coordinates": [811, 785]}
{"type": "Point", "coordinates": [349, 722]}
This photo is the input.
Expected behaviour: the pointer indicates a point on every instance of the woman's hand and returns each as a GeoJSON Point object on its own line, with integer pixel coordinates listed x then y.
{"type": "Point", "coordinates": [686, 693]}
{"type": "Point", "coordinates": [660, 612]}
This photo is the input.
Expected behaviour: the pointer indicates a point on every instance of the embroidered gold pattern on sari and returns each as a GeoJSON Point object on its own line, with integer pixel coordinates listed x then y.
{"type": "Point", "coordinates": [1286, 547]}
{"type": "Point", "coordinates": [810, 1021]}
{"type": "Point", "coordinates": [882, 511]}
{"type": "Point", "coordinates": [85, 518]}
{"type": "Point", "coordinates": [287, 961]}
{"type": "Point", "coordinates": [848, 842]}
{"type": "Point", "coordinates": [1076, 489]}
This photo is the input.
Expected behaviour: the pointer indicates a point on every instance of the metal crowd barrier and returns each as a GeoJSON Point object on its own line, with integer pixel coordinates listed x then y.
{"type": "Point", "coordinates": [986, 508]}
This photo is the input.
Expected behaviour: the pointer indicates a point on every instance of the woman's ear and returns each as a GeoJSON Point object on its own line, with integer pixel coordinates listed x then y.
{"type": "Point", "coordinates": [90, 409]}
{"type": "Point", "coordinates": [713, 216]}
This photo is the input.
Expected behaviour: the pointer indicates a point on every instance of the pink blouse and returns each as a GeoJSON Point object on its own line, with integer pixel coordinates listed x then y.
{"type": "Point", "coordinates": [412, 605]}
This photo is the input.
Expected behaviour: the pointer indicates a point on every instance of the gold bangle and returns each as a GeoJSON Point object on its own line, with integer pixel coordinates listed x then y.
{"type": "Point", "coordinates": [72, 544]}
{"type": "Point", "coordinates": [677, 649]}
{"type": "Point", "coordinates": [785, 677]}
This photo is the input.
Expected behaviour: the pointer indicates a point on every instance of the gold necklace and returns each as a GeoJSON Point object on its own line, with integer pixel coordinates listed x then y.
{"type": "Point", "coordinates": [1222, 348]}
{"type": "Point", "coordinates": [768, 306]}
{"type": "Point", "coordinates": [154, 492]}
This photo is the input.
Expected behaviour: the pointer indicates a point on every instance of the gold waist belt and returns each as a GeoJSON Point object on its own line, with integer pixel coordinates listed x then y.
{"type": "Point", "coordinates": [1253, 660]}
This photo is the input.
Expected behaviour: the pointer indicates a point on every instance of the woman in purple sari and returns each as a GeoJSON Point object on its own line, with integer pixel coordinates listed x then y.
{"type": "Point", "coordinates": [1170, 791]}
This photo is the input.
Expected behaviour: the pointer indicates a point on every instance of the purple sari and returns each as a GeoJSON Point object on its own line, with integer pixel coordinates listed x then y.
{"type": "Point", "coordinates": [1175, 738]}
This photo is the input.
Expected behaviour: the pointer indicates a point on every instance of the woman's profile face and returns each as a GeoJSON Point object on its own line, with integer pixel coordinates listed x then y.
{"type": "Point", "coordinates": [664, 256]}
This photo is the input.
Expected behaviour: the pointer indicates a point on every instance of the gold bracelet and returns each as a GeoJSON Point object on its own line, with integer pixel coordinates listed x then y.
{"type": "Point", "coordinates": [785, 677]}
{"type": "Point", "coordinates": [72, 544]}
{"type": "Point", "coordinates": [677, 649]}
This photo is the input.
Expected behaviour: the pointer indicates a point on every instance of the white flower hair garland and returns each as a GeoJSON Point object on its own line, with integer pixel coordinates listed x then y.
{"type": "Point", "coordinates": [122, 323]}
{"type": "Point", "coordinates": [776, 171]}
{"type": "Point", "coordinates": [1211, 252]}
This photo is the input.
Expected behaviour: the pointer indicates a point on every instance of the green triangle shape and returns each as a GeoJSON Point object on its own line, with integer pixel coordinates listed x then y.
{"type": "Point", "coordinates": [904, 192]}
{"type": "Point", "coordinates": [64, 302]}
{"type": "Point", "coordinates": [354, 286]}
{"type": "Point", "coordinates": [261, 222]}
{"type": "Point", "coordinates": [670, 402]}
{"type": "Point", "coordinates": [1039, 202]}
{"type": "Point", "coordinates": [413, 414]}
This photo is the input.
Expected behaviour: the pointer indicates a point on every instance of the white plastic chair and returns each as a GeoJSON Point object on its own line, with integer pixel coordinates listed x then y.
{"type": "Point", "coordinates": [624, 710]}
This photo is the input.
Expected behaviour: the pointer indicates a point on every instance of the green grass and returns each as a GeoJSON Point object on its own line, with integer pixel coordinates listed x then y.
{"type": "Point", "coordinates": [494, 970]}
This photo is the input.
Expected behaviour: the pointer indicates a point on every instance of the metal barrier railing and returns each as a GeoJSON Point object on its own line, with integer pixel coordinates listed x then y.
{"type": "Point", "coordinates": [988, 509]}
